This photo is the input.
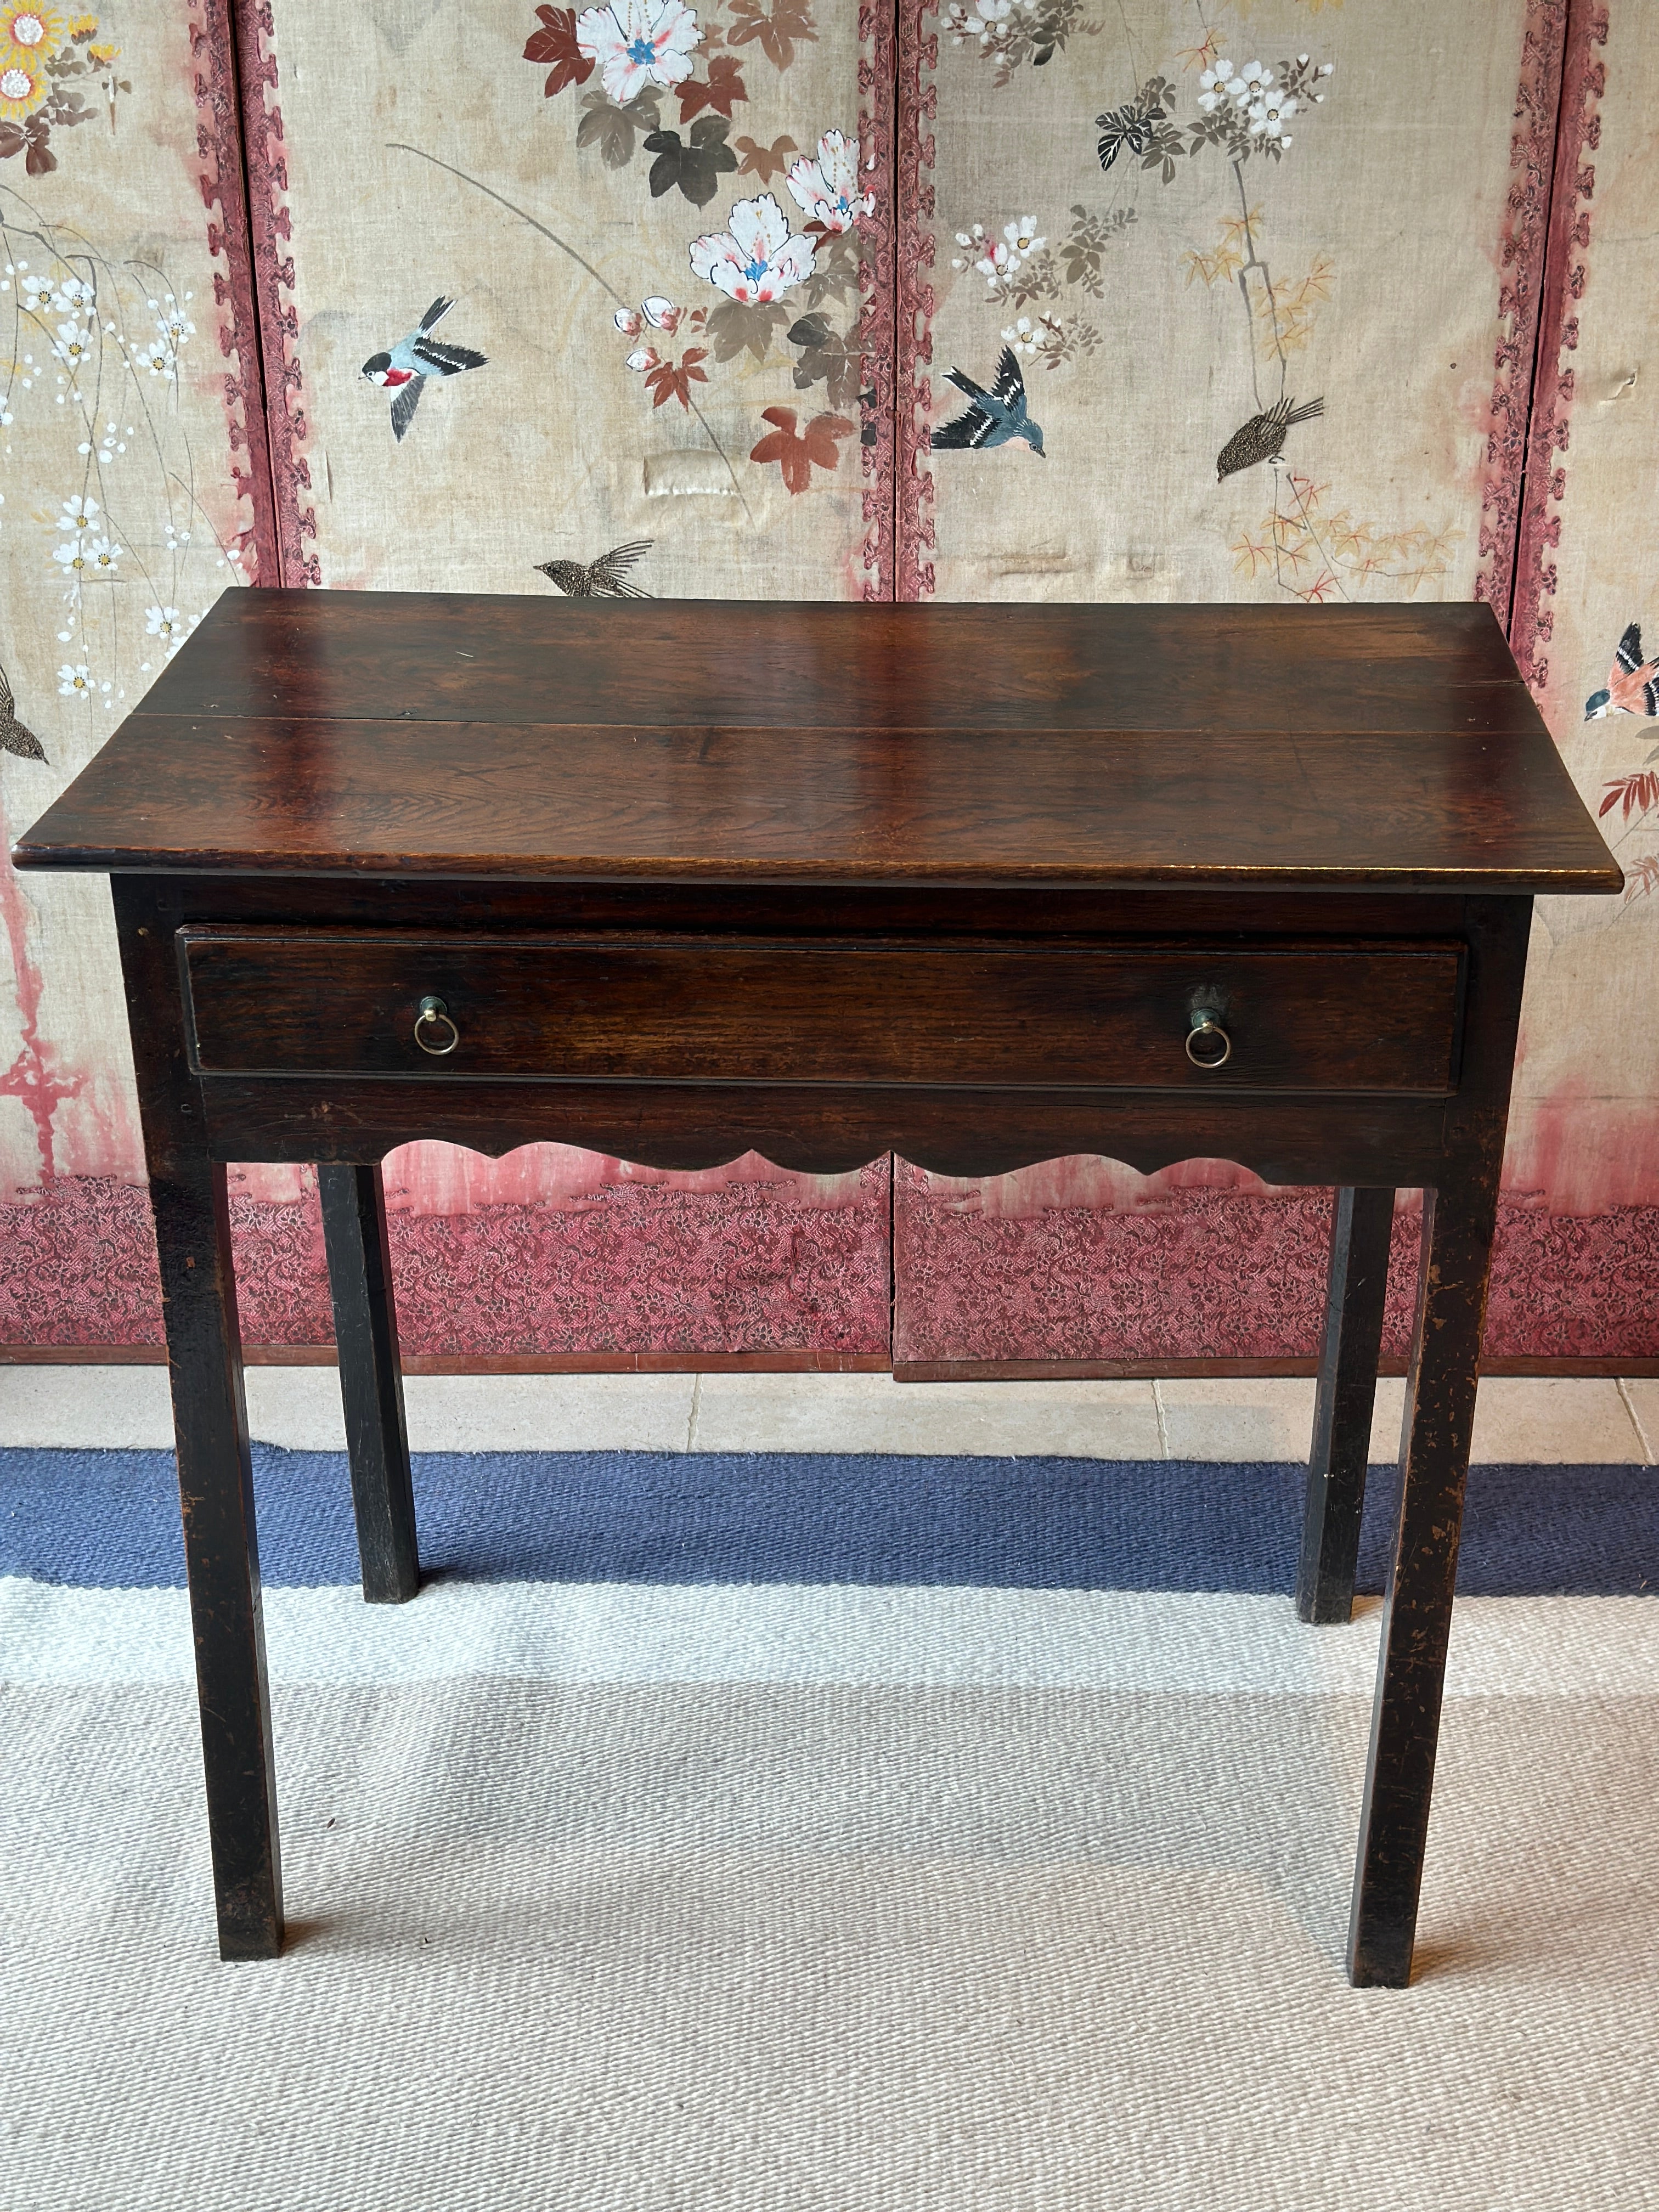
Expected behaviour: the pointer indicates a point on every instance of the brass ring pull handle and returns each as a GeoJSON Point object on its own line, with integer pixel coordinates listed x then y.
{"type": "Point", "coordinates": [1208, 1045]}
{"type": "Point", "coordinates": [434, 1015]}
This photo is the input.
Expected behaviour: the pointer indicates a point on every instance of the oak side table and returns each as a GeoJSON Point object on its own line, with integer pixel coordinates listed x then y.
{"type": "Point", "coordinates": [981, 885]}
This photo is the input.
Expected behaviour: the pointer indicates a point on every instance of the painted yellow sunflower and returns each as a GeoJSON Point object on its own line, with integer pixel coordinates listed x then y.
{"type": "Point", "coordinates": [30, 31]}
{"type": "Point", "coordinates": [22, 87]}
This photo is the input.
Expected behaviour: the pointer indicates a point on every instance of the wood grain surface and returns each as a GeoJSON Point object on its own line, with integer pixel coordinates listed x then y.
{"type": "Point", "coordinates": [357, 732]}
{"type": "Point", "coordinates": [687, 1009]}
{"type": "Point", "coordinates": [346, 656]}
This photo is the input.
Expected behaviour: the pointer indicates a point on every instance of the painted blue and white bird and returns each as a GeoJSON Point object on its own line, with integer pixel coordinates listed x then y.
{"type": "Point", "coordinates": [996, 418]}
{"type": "Point", "coordinates": [405, 370]}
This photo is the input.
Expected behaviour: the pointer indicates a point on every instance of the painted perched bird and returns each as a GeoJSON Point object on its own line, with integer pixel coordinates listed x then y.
{"type": "Point", "coordinates": [1263, 438]}
{"type": "Point", "coordinates": [14, 737]}
{"type": "Point", "coordinates": [604, 579]}
{"type": "Point", "coordinates": [405, 370]}
{"type": "Point", "coordinates": [1632, 683]}
{"type": "Point", "coordinates": [995, 418]}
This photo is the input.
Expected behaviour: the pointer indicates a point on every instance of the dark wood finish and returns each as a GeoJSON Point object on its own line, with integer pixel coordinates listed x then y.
{"type": "Point", "coordinates": [1460, 1214]}
{"type": "Point", "coordinates": [215, 1473]}
{"type": "Point", "coordinates": [1393, 1819]}
{"type": "Point", "coordinates": [930, 879]}
{"type": "Point", "coordinates": [454, 657]}
{"type": "Point", "coordinates": [1465, 811]}
{"type": "Point", "coordinates": [1356, 1288]}
{"type": "Point", "coordinates": [298, 732]}
{"type": "Point", "coordinates": [612, 1008]}
{"type": "Point", "coordinates": [371, 1380]}
{"type": "Point", "coordinates": [824, 1129]}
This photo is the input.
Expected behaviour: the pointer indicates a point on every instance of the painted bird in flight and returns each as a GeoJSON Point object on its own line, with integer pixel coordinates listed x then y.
{"type": "Point", "coordinates": [995, 417]}
{"type": "Point", "coordinates": [14, 737]}
{"type": "Point", "coordinates": [1263, 438]}
{"type": "Point", "coordinates": [603, 579]}
{"type": "Point", "coordinates": [1632, 683]}
{"type": "Point", "coordinates": [405, 370]}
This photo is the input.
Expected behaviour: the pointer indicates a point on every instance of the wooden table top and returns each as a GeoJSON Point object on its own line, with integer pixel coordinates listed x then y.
{"type": "Point", "coordinates": [399, 733]}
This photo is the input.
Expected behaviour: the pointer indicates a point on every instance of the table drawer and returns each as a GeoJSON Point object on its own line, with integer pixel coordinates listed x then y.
{"type": "Point", "coordinates": [640, 1009]}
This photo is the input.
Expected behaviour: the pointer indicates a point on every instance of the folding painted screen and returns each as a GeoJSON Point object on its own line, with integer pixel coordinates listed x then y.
{"type": "Point", "coordinates": [1273, 274]}
{"type": "Point", "coordinates": [131, 466]}
{"type": "Point", "coordinates": [709, 265]}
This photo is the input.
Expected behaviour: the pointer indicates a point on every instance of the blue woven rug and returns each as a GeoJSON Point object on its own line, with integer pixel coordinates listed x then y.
{"type": "Point", "coordinates": [109, 1520]}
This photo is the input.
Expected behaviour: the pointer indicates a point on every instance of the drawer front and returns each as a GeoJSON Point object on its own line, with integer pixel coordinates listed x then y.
{"type": "Point", "coordinates": [720, 1010]}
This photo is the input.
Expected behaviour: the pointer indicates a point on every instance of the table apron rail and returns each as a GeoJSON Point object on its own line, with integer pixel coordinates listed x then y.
{"type": "Point", "coordinates": [826, 1130]}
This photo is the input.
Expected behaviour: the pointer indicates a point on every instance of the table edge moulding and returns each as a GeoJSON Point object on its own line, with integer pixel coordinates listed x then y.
{"type": "Point", "coordinates": [978, 885]}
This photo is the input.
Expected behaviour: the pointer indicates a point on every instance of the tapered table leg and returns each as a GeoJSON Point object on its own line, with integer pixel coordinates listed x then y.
{"type": "Point", "coordinates": [222, 1559]}
{"type": "Point", "coordinates": [1451, 1302]}
{"type": "Point", "coordinates": [210, 1418]}
{"type": "Point", "coordinates": [1359, 1280]}
{"type": "Point", "coordinates": [371, 1380]}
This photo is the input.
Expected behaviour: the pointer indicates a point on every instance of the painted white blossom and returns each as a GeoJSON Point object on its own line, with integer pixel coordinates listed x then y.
{"type": "Point", "coordinates": [1214, 83]}
{"type": "Point", "coordinates": [642, 358]}
{"type": "Point", "coordinates": [1021, 337]}
{"type": "Point", "coordinates": [160, 622]}
{"type": "Point", "coordinates": [827, 191]}
{"type": "Point", "coordinates": [1268, 116]}
{"type": "Point", "coordinates": [1022, 236]}
{"type": "Point", "coordinates": [102, 554]}
{"type": "Point", "coordinates": [73, 295]}
{"type": "Point", "coordinates": [757, 258]}
{"type": "Point", "coordinates": [78, 513]}
{"type": "Point", "coordinates": [659, 313]}
{"type": "Point", "coordinates": [638, 42]}
{"type": "Point", "coordinates": [173, 324]}
{"type": "Point", "coordinates": [74, 677]}
{"type": "Point", "coordinates": [71, 343]}
{"type": "Point", "coordinates": [1253, 82]}
{"type": "Point", "coordinates": [71, 558]}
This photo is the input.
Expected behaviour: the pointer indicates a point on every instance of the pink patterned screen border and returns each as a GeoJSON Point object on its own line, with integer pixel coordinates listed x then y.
{"type": "Point", "coordinates": [752, 1273]}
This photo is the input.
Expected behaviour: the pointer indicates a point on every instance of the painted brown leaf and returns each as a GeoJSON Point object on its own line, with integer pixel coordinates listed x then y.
{"type": "Point", "coordinates": [613, 130]}
{"type": "Point", "coordinates": [780, 30]}
{"type": "Point", "coordinates": [667, 381]}
{"type": "Point", "coordinates": [825, 360]}
{"type": "Point", "coordinates": [12, 140]}
{"type": "Point", "coordinates": [66, 109]}
{"type": "Point", "coordinates": [39, 159]}
{"type": "Point", "coordinates": [1633, 793]}
{"type": "Point", "coordinates": [695, 167]}
{"type": "Point", "coordinates": [766, 161]}
{"type": "Point", "coordinates": [722, 92]}
{"type": "Point", "coordinates": [556, 44]}
{"type": "Point", "coordinates": [795, 451]}
{"type": "Point", "coordinates": [732, 326]}
{"type": "Point", "coordinates": [835, 267]}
